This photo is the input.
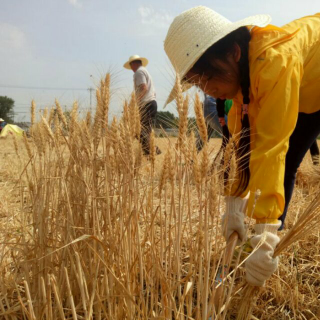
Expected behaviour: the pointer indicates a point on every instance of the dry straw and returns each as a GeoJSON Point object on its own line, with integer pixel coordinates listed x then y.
{"type": "Point", "coordinates": [27, 145]}
{"type": "Point", "coordinates": [92, 229]}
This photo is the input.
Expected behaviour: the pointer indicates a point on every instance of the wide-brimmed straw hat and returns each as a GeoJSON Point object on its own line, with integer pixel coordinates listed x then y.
{"type": "Point", "coordinates": [194, 31]}
{"type": "Point", "coordinates": [135, 57]}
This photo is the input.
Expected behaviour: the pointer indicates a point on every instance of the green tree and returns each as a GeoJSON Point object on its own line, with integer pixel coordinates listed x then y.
{"type": "Point", "coordinates": [166, 120]}
{"type": "Point", "coordinates": [6, 108]}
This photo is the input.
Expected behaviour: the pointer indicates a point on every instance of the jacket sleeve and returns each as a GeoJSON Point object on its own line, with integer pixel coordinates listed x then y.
{"type": "Point", "coordinates": [276, 94]}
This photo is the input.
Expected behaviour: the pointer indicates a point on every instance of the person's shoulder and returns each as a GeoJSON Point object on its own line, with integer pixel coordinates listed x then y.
{"type": "Point", "coordinates": [140, 72]}
{"type": "Point", "coordinates": [144, 70]}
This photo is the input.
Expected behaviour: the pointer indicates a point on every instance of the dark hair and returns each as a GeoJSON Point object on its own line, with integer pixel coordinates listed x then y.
{"type": "Point", "coordinates": [221, 114]}
{"type": "Point", "coordinates": [211, 65]}
{"type": "Point", "coordinates": [225, 139]}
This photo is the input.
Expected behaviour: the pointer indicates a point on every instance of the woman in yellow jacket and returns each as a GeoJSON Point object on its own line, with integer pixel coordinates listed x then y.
{"type": "Point", "coordinates": [273, 76]}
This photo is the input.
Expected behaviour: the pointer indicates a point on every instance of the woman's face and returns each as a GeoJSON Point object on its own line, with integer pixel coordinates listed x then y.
{"type": "Point", "coordinates": [225, 87]}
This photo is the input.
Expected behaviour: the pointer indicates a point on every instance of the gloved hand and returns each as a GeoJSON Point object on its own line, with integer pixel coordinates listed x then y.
{"type": "Point", "coordinates": [261, 265]}
{"type": "Point", "coordinates": [233, 219]}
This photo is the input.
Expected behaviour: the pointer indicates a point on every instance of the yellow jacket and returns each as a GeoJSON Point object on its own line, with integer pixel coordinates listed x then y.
{"type": "Point", "coordinates": [285, 80]}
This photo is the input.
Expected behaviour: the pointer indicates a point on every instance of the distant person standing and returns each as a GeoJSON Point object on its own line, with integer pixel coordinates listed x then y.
{"type": "Point", "coordinates": [2, 124]}
{"type": "Point", "coordinates": [146, 98]}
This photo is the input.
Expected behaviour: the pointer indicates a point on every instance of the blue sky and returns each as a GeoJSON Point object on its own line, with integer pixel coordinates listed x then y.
{"type": "Point", "coordinates": [60, 48]}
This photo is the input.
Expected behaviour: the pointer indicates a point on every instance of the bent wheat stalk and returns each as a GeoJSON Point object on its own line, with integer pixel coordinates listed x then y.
{"type": "Point", "coordinates": [221, 275]}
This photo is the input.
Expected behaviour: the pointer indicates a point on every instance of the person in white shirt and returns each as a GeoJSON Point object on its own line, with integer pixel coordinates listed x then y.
{"type": "Point", "coordinates": [146, 98]}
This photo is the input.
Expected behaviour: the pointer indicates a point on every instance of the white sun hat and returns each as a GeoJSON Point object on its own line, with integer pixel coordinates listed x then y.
{"type": "Point", "coordinates": [194, 31]}
{"type": "Point", "coordinates": [1, 120]}
{"type": "Point", "coordinates": [133, 58]}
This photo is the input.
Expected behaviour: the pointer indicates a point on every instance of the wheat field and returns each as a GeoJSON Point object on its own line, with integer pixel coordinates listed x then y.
{"type": "Point", "coordinates": [92, 229]}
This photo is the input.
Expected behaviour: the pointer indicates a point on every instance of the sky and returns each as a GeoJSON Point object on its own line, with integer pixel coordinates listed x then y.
{"type": "Point", "coordinates": [60, 48]}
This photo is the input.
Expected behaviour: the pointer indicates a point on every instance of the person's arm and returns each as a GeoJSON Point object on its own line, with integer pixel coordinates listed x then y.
{"type": "Point", "coordinates": [142, 90]}
{"type": "Point", "coordinates": [275, 85]}
{"type": "Point", "coordinates": [141, 84]}
{"type": "Point", "coordinates": [276, 91]}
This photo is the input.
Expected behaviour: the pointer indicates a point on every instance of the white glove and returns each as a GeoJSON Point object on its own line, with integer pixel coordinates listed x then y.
{"type": "Point", "coordinates": [261, 265]}
{"type": "Point", "coordinates": [233, 219]}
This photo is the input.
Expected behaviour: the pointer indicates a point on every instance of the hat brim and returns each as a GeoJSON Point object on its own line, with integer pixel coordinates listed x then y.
{"type": "Point", "coordinates": [144, 62]}
{"type": "Point", "coordinates": [257, 20]}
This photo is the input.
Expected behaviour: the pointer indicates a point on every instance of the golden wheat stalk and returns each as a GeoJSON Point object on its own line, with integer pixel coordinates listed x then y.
{"type": "Point", "coordinates": [198, 109]}
{"type": "Point", "coordinates": [33, 113]}
{"type": "Point", "coordinates": [132, 117]}
{"type": "Point", "coordinates": [61, 115]}
{"type": "Point", "coordinates": [47, 128]}
{"type": "Point", "coordinates": [73, 118]}
{"type": "Point", "coordinates": [152, 147]}
{"type": "Point", "coordinates": [178, 93]}
{"type": "Point", "coordinates": [51, 115]}
{"type": "Point", "coordinates": [183, 125]}
{"type": "Point", "coordinates": [27, 145]}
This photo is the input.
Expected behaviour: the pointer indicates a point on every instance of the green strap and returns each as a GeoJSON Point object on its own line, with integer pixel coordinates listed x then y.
{"type": "Point", "coordinates": [227, 106]}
